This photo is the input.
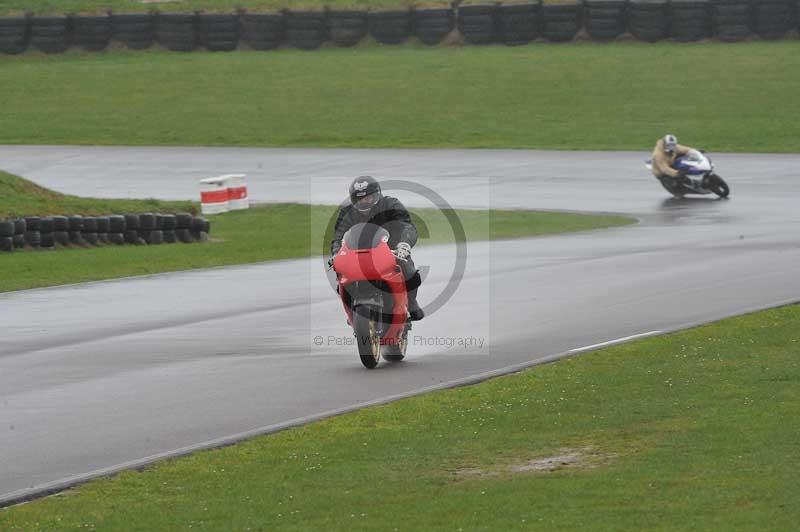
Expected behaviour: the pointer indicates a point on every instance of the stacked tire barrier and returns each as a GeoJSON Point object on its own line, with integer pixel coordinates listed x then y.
{"type": "Point", "coordinates": [13, 35]}
{"type": "Point", "coordinates": [477, 23]}
{"type": "Point", "coordinates": [91, 33]}
{"type": "Point", "coordinates": [561, 22]}
{"type": "Point", "coordinates": [176, 31]}
{"type": "Point", "coordinates": [648, 20]}
{"type": "Point", "coordinates": [518, 23]}
{"type": "Point", "coordinates": [431, 26]}
{"type": "Point", "coordinates": [262, 32]}
{"type": "Point", "coordinates": [390, 27]}
{"type": "Point", "coordinates": [137, 32]}
{"type": "Point", "coordinates": [604, 19]}
{"type": "Point", "coordinates": [50, 232]}
{"type": "Point", "coordinates": [732, 20]}
{"type": "Point", "coordinates": [691, 20]}
{"type": "Point", "coordinates": [511, 24]}
{"type": "Point", "coordinates": [773, 18]}
{"type": "Point", "coordinates": [218, 33]}
{"type": "Point", "coordinates": [347, 28]}
{"type": "Point", "coordinates": [49, 34]}
{"type": "Point", "coordinates": [305, 29]}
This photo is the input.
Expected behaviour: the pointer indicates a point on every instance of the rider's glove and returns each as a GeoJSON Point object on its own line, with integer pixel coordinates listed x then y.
{"type": "Point", "coordinates": [330, 263]}
{"type": "Point", "coordinates": [402, 251]}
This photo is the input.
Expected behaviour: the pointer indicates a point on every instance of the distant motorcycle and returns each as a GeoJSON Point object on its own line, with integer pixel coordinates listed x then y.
{"type": "Point", "coordinates": [700, 171]}
{"type": "Point", "coordinates": [373, 292]}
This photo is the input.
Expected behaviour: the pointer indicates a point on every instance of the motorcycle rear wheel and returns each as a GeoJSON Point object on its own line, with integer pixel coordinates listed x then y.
{"type": "Point", "coordinates": [397, 352]}
{"type": "Point", "coordinates": [367, 339]}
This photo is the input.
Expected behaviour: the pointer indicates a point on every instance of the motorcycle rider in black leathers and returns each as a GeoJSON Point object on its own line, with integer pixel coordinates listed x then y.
{"type": "Point", "coordinates": [369, 205]}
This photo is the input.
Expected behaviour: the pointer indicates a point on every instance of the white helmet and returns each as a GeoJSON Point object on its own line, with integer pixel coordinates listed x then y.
{"type": "Point", "coordinates": [670, 142]}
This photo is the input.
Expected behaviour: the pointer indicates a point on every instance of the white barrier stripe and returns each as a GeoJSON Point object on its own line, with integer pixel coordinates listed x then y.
{"type": "Point", "coordinates": [612, 342]}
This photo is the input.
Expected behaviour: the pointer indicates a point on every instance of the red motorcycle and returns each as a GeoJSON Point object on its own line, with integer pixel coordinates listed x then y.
{"type": "Point", "coordinates": [373, 292]}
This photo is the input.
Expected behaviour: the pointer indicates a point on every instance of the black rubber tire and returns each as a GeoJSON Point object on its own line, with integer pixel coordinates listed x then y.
{"type": "Point", "coordinates": [732, 33]}
{"type": "Point", "coordinates": [13, 35]}
{"type": "Point", "coordinates": [89, 224]}
{"type": "Point", "coordinates": [91, 33]}
{"type": "Point", "coordinates": [199, 224]}
{"type": "Point", "coordinates": [395, 352]}
{"type": "Point", "coordinates": [90, 238]}
{"type": "Point", "coordinates": [76, 238]}
{"type": "Point", "coordinates": [262, 31]}
{"type": "Point", "coordinates": [147, 221]}
{"type": "Point", "coordinates": [6, 228]}
{"type": "Point", "coordinates": [20, 226]}
{"type": "Point", "coordinates": [131, 222]}
{"type": "Point", "coordinates": [390, 27]}
{"type": "Point", "coordinates": [718, 186]}
{"type": "Point", "coordinates": [46, 225]}
{"type": "Point", "coordinates": [167, 221]}
{"type": "Point", "coordinates": [169, 236]}
{"type": "Point", "coordinates": [102, 224]}
{"type": "Point", "coordinates": [116, 238]}
{"type": "Point", "coordinates": [102, 238]}
{"type": "Point", "coordinates": [75, 223]}
{"type": "Point", "coordinates": [184, 235]}
{"type": "Point", "coordinates": [19, 241]}
{"type": "Point", "coordinates": [47, 240]}
{"type": "Point", "coordinates": [61, 238]}
{"type": "Point", "coordinates": [32, 223]}
{"type": "Point", "coordinates": [33, 238]}
{"type": "Point", "coordinates": [369, 348]}
{"type": "Point", "coordinates": [60, 223]}
{"type": "Point", "coordinates": [49, 34]}
{"type": "Point", "coordinates": [518, 24]}
{"type": "Point", "coordinates": [131, 236]}
{"type": "Point", "coordinates": [155, 237]}
{"type": "Point", "coordinates": [116, 223]}
{"type": "Point", "coordinates": [7, 243]}
{"type": "Point", "coordinates": [183, 220]}
{"type": "Point", "coordinates": [347, 28]}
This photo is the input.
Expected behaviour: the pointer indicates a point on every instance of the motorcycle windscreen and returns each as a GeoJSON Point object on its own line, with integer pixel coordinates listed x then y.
{"type": "Point", "coordinates": [365, 236]}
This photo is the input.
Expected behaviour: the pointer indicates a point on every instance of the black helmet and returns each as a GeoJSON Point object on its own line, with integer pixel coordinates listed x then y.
{"type": "Point", "coordinates": [365, 193]}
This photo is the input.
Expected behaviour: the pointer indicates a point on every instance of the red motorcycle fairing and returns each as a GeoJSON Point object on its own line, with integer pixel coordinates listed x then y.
{"type": "Point", "coordinates": [373, 265]}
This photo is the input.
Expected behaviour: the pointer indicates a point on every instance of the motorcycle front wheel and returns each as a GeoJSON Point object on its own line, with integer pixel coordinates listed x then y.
{"type": "Point", "coordinates": [718, 186]}
{"type": "Point", "coordinates": [367, 339]}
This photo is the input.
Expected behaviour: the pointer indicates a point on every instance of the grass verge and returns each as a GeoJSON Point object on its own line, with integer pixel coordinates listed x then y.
{"type": "Point", "coordinates": [278, 231]}
{"type": "Point", "coordinates": [581, 96]}
{"type": "Point", "coordinates": [690, 431]}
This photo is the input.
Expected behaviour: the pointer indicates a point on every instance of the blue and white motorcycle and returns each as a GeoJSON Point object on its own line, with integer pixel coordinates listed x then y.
{"type": "Point", "coordinates": [700, 171]}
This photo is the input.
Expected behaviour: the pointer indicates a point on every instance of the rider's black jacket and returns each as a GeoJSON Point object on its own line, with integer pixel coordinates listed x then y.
{"type": "Point", "coordinates": [389, 213]}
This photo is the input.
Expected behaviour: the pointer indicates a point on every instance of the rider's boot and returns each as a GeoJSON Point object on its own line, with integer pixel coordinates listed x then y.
{"type": "Point", "coordinates": [415, 312]}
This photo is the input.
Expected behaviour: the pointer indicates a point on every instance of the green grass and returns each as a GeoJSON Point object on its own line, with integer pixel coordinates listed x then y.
{"type": "Point", "coordinates": [278, 231]}
{"type": "Point", "coordinates": [695, 430]}
{"type": "Point", "coordinates": [582, 96]}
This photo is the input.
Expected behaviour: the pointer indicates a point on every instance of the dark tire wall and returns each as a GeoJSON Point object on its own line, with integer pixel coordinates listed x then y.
{"type": "Point", "coordinates": [477, 23]}
{"type": "Point", "coordinates": [49, 232]}
{"type": "Point", "coordinates": [431, 26]}
{"type": "Point", "coordinates": [14, 34]}
{"type": "Point", "coordinates": [691, 20]}
{"type": "Point", "coordinates": [347, 28]}
{"type": "Point", "coordinates": [511, 24]}
{"type": "Point", "coordinates": [604, 19]}
{"type": "Point", "coordinates": [518, 23]}
{"type": "Point", "coordinates": [561, 22]}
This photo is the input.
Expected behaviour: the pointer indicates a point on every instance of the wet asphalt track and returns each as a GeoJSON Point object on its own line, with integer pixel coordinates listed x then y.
{"type": "Point", "coordinates": [98, 376]}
